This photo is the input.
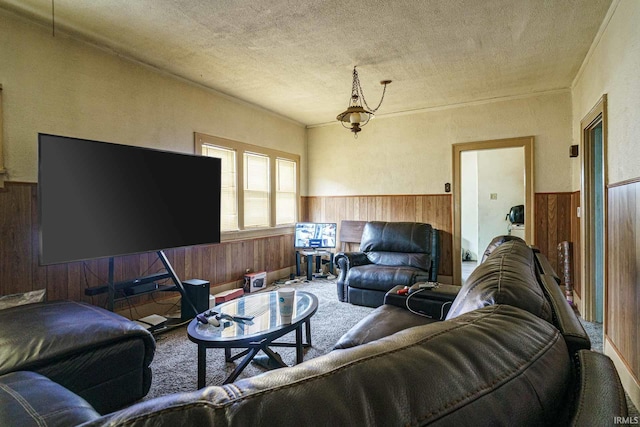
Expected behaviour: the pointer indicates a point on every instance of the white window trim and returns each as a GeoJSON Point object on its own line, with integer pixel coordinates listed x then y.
{"type": "Point", "coordinates": [241, 148]}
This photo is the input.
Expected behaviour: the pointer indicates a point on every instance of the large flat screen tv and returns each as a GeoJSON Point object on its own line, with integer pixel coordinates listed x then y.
{"type": "Point", "coordinates": [98, 199]}
{"type": "Point", "coordinates": [315, 235]}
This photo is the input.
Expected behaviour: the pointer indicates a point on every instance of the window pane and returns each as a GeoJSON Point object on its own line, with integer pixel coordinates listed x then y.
{"type": "Point", "coordinates": [229, 193]}
{"type": "Point", "coordinates": [285, 191]}
{"type": "Point", "coordinates": [256, 190]}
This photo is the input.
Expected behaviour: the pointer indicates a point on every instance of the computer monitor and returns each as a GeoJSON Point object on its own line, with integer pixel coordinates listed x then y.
{"type": "Point", "coordinates": [315, 235]}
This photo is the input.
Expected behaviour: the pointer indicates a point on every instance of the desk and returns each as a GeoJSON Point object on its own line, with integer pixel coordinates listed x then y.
{"type": "Point", "coordinates": [309, 254]}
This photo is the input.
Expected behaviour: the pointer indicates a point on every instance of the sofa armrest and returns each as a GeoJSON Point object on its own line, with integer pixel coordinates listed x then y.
{"type": "Point", "coordinates": [563, 316]}
{"type": "Point", "coordinates": [600, 397]}
{"type": "Point", "coordinates": [30, 399]}
{"type": "Point", "coordinates": [344, 261]}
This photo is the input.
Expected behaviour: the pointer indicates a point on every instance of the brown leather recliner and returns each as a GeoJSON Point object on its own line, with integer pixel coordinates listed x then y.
{"type": "Point", "coordinates": [391, 254]}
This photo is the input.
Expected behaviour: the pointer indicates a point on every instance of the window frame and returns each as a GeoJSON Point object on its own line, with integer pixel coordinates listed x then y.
{"type": "Point", "coordinates": [240, 148]}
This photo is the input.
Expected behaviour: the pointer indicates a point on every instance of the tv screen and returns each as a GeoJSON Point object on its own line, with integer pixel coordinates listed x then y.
{"type": "Point", "coordinates": [98, 199]}
{"type": "Point", "coordinates": [315, 235]}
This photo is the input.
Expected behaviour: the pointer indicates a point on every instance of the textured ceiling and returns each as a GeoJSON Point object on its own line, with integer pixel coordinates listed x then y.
{"type": "Point", "coordinates": [295, 57]}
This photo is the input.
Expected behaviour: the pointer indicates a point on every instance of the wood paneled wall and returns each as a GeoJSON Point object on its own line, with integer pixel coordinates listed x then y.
{"type": "Point", "coordinates": [226, 262]}
{"type": "Point", "coordinates": [432, 209]}
{"type": "Point", "coordinates": [553, 217]}
{"type": "Point", "coordinates": [19, 245]}
{"type": "Point", "coordinates": [622, 293]}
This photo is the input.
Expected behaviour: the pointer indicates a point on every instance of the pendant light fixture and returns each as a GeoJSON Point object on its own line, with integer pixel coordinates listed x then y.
{"type": "Point", "coordinates": [356, 116]}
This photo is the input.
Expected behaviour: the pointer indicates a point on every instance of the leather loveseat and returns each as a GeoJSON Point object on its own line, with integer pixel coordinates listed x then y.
{"type": "Point", "coordinates": [391, 254]}
{"type": "Point", "coordinates": [509, 353]}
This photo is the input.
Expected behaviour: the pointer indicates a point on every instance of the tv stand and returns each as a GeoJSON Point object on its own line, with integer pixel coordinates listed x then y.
{"type": "Point", "coordinates": [310, 254]}
{"type": "Point", "coordinates": [139, 285]}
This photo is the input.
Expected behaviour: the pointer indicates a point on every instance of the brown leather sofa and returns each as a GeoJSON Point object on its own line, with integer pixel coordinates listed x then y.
{"type": "Point", "coordinates": [391, 254]}
{"type": "Point", "coordinates": [509, 353]}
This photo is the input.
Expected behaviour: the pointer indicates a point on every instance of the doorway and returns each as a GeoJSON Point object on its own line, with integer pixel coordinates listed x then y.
{"type": "Point", "coordinates": [516, 157]}
{"type": "Point", "coordinates": [595, 213]}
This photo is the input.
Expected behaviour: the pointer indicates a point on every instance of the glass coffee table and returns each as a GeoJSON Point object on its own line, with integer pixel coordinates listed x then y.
{"type": "Point", "coordinates": [260, 334]}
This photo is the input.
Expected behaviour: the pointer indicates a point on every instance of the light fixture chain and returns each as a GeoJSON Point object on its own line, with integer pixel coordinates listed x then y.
{"type": "Point", "coordinates": [356, 80]}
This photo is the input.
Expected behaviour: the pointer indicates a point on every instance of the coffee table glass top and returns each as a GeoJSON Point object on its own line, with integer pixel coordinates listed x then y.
{"type": "Point", "coordinates": [263, 307]}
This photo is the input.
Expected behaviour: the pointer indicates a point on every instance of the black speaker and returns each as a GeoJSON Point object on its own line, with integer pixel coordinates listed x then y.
{"type": "Point", "coordinates": [198, 293]}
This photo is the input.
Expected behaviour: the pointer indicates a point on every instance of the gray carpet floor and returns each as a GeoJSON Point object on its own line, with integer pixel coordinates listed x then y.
{"type": "Point", "coordinates": [175, 363]}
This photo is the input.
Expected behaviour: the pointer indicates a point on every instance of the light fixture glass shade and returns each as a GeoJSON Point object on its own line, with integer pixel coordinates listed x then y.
{"type": "Point", "coordinates": [355, 114]}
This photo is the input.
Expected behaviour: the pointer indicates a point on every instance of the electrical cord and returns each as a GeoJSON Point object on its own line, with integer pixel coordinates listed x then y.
{"type": "Point", "coordinates": [406, 303]}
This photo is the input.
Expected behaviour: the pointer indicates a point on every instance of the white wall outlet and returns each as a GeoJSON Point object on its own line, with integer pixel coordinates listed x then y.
{"type": "Point", "coordinates": [494, 196]}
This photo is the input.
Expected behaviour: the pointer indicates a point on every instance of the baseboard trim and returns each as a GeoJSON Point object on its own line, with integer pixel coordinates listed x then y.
{"type": "Point", "coordinates": [629, 382]}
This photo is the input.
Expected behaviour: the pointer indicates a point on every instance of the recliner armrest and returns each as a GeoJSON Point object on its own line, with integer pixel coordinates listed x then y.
{"type": "Point", "coordinates": [346, 260]}
{"type": "Point", "coordinates": [563, 316]}
{"type": "Point", "coordinates": [600, 397]}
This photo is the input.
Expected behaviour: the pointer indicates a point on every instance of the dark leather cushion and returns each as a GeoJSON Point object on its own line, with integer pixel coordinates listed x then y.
{"type": "Point", "coordinates": [382, 277]}
{"type": "Point", "coordinates": [409, 259]}
{"type": "Point", "coordinates": [406, 237]}
{"type": "Point", "coordinates": [507, 276]}
{"type": "Point", "coordinates": [30, 399]}
{"type": "Point", "coordinates": [381, 322]}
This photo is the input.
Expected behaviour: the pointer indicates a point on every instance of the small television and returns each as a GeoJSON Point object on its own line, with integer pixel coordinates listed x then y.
{"type": "Point", "coordinates": [516, 215]}
{"type": "Point", "coordinates": [315, 235]}
{"type": "Point", "coordinates": [99, 199]}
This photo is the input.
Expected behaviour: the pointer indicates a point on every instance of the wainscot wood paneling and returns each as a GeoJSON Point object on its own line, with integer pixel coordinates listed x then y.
{"type": "Point", "coordinates": [555, 218]}
{"type": "Point", "coordinates": [432, 209]}
{"type": "Point", "coordinates": [553, 224]}
{"type": "Point", "coordinates": [19, 270]}
{"type": "Point", "coordinates": [622, 318]}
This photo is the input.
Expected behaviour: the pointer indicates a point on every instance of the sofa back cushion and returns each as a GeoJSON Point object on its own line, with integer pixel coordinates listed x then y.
{"type": "Point", "coordinates": [507, 276]}
{"type": "Point", "coordinates": [495, 366]}
{"type": "Point", "coordinates": [398, 243]}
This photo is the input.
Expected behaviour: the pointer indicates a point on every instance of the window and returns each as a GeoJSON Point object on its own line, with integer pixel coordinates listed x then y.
{"type": "Point", "coordinates": [285, 191]}
{"type": "Point", "coordinates": [256, 190]}
{"type": "Point", "coordinates": [260, 186]}
{"type": "Point", "coordinates": [228, 194]}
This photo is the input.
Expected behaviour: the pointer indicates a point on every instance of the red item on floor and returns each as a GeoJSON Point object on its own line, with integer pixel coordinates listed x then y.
{"type": "Point", "coordinates": [225, 296]}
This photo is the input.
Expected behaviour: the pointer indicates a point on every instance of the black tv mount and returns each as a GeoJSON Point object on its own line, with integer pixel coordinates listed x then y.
{"type": "Point", "coordinates": [112, 287]}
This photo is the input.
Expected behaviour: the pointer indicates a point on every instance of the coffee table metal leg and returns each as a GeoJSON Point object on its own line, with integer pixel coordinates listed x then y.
{"type": "Point", "coordinates": [299, 354]}
{"type": "Point", "coordinates": [243, 364]}
{"type": "Point", "coordinates": [202, 365]}
{"type": "Point", "coordinates": [307, 326]}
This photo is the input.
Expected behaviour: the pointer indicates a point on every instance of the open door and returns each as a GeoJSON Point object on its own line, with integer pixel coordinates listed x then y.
{"type": "Point", "coordinates": [525, 143]}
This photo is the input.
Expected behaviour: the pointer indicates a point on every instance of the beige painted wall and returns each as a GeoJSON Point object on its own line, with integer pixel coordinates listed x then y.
{"type": "Point", "coordinates": [60, 85]}
{"type": "Point", "coordinates": [501, 172]}
{"type": "Point", "coordinates": [613, 69]}
{"type": "Point", "coordinates": [411, 153]}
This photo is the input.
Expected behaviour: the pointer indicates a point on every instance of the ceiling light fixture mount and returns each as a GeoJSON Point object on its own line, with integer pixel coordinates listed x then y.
{"type": "Point", "coordinates": [356, 115]}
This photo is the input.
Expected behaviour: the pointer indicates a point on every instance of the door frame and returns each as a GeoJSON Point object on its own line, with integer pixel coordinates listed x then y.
{"type": "Point", "coordinates": [525, 142]}
{"type": "Point", "coordinates": [597, 115]}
